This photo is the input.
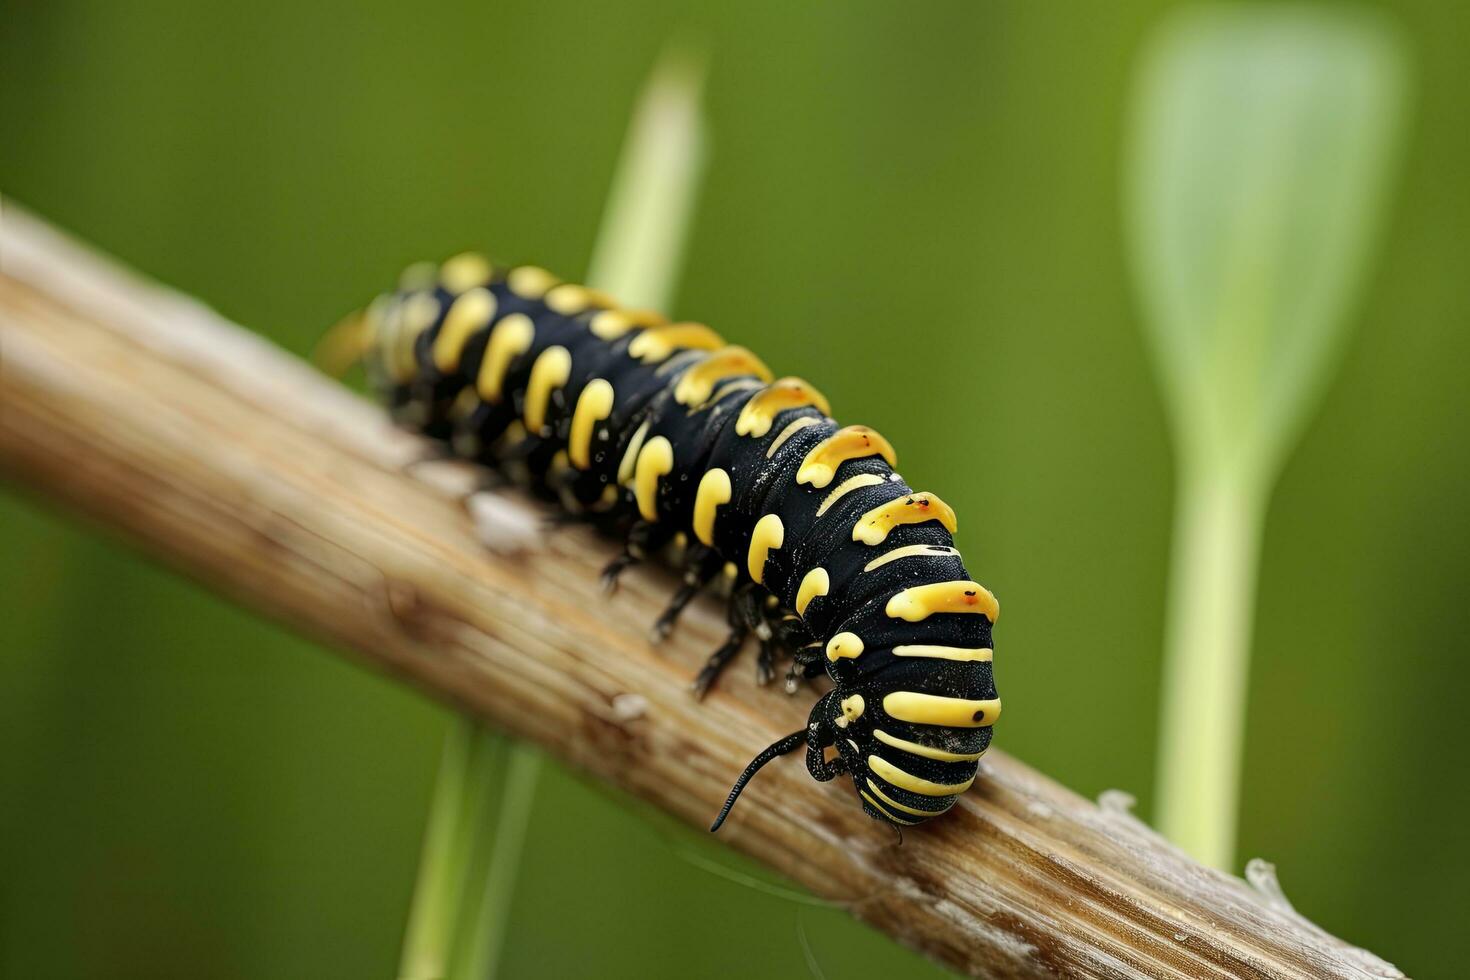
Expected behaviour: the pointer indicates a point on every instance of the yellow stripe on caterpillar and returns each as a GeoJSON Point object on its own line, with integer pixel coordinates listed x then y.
{"type": "Point", "coordinates": [848, 645]}
{"type": "Point", "coordinates": [714, 490]}
{"type": "Point", "coordinates": [530, 281]}
{"type": "Point", "coordinates": [934, 709]}
{"type": "Point", "coordinates": [925, 751]}
{"type": "Point", "coordinates": [695, 387]}
{"type": "Point", "coordinates": [569, 299]}
{"type": "Point", "coordinates": [655, 459]}
{"type": "Point", "coordinates": [744, 384]}
{"type": "Point", "coordinates": [612, 324]}
{"type": "Point", "coordinates": [594, 405]}
{"type": "Point", "coordinates": [910, 551]}
{"type": "Point", "coordinates": [915, 508]}
{"type": "Point", "coordinates": [471, 311]}
{"type": "Point", "coordinates": [465, 271]}
{"type": "Point", "coordinates": [791, 429]}
{"type": "Point", "coordinates": [922, 601]}
{"type": "Point", "coordinates": [875, 805]}
{"type": "Point", "coordinates": [420, 275]}
{"type": "Point", "coordinates": [888, 772]}
{"type": "Point", "coordinates": [509, 338]}
{"type": "Point", "coordinates": [769, 534]}
{"type": "Point", "coordinates": [982, 654]}
{"type": "Point", "coordinates": [657, 343]}
{"type": "Point", "coordinates": [418, 313]}
{"type": "Point", "coordinates": [815, 583]}
{"type": "Point", "coordinates": [760, 412]}
{"type": "Point", "coordinates": [851, 442]}
{"type": "Point", "coordinates": [630, 455]}
{"type": "Point", "coordinates": [848, 486]}
{"type": "Point", "coordinates": [901, 807]}
{"type": "Point", "coordinates": [550, 371]}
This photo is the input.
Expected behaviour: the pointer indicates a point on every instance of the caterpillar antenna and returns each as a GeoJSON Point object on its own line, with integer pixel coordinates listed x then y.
{"type": "Point", "coordinates": [788, 744]}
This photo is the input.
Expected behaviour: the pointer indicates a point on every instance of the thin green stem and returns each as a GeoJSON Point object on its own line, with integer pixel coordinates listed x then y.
{"type": "Point", "coordinates": [1206, 659]}
{"type": "Point", "coordinates": [483, 939]}
{"type": "Point", "coordinates": [469, 769]}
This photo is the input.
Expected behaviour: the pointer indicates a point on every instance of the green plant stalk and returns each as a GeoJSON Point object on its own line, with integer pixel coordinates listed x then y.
{"type": "Point", "coordinates": [469, 771]}
{"type": "Point", "coordinates": [1214, 566]}
{"type": "Point", "coordinates": [483, 939]}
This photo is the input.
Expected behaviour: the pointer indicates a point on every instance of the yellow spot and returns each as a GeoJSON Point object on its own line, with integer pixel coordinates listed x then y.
{"type": "Point", "coordinates": [348, 342]}
{"type": "Point", "coordinates": [464, 403]}
{"type": "Point", "coordinates": [418, 313]}
{"type": "Point", "coordinates": [514, 434]}
{"type": "Point", "coordinates": [612, 324]}
{"type": "Point", "coordinates": [744, 384]}
{"type": "Point", "coordinates": [814, 583]}
{"type": "Point", "coordinates": [904, 780]}
{"type": "Point", "coordinates": [846, 487]}
{"type": "Point", "coordinates": [852, 442]}
{"type": "Point", "coordinates": [768, 535]}
{"type": "Point", "coordinates": [465, 271]}
{"type": "Point", "coordinates": [569, 299]}
{"type": "Point", "coordinates": [530, 281]}
{"type": "Point", "coordinates": [559, 461]}
{"type": "Point", "coordinates": [914, 508]}
{"type": "Point", "coordinates": [927, 751]}
{"type": "Point", "coordinates": [509, 339]}
{"type": "Point", "coordinates": [658, 343]}
{"type": "Point", "coordinates": [552, 369]}
{"type": "Point", "coordinates": [594, 405]}
{"type": "Point", "coordinates": [874, 803]}
{"type": "Point", "coordinates": [471, 311]}
{"type": "Point", "coordinates": [848, 645]}
{"type": "Point", "coordinates": [923, 601]}
{"type": "Point", "coordinates": [983, 654]}
{"type": "Point", "coordinates": [792, 428]}
{"type": "Point", "coordinates": [698, 382]}
{"type": "Point", "coordinates": [630, 455]}
{"type": "Point", "coordinates": [655, 459]}
{"type": "Point", "coordinates": [932, 709]}
{"type": "Point", "coordinates": [760, 412]}
{"type": "Point", "coordinates": [902, 808]}
{"type": "Point", "coordinates": [420, 275]}
{"type": "Point", "coordinates": [714, 490]}
{"type": "Point", "coordinates": [853, 707]}
{"type": "Point", "coordinates": [910, 551]}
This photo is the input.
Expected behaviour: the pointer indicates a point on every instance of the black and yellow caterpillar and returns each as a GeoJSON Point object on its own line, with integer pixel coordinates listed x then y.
{"type": "Point", "coordinates": [657, 430]}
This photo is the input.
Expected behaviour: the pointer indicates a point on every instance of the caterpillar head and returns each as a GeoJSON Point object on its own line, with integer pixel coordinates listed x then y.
{"type": "Point", "coordinates": [901, 776]}
{"type": "Point", "coordinates": [903, 772]}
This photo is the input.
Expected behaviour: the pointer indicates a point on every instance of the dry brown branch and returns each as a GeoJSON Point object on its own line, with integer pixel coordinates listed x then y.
{"type": "Point", "coordinates": [242, 466]}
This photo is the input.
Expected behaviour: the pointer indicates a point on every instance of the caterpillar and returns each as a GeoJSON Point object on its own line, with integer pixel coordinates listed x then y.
{"type": "Point", "coordinates": [656, 431]}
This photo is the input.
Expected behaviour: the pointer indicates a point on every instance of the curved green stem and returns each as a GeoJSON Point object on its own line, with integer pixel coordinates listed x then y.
{"type": "Point", "coordinates": [1217, 536]}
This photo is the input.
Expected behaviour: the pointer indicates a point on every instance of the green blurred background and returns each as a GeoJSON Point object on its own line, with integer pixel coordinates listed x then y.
{"type": "Point", "coordinates": [186, 791]}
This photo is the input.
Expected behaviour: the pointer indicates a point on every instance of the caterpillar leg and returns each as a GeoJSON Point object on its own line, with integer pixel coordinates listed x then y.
{"type": "Point", "coordinates": [701, 566]}
{"type": "Point", "coordinates": [806, 663]}
{"type": "Point", "coordinates": [644, 537]}
{"type": "Point", "coordinates": [824, 769]}
{"type": "Point", "coordinates": [740, 620]}
{"type": "Point", "coordinates": [757, 610]}
{"type": "Point", "coordinates": [792, 636]}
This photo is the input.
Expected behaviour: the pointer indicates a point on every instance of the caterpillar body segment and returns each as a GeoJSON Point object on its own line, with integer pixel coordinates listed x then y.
{"type": "Point", "coordinates": [656, 431]}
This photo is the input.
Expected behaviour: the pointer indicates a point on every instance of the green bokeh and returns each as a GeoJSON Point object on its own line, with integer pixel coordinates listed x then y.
{"type": "Point", "coordinates": [915, 205]}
